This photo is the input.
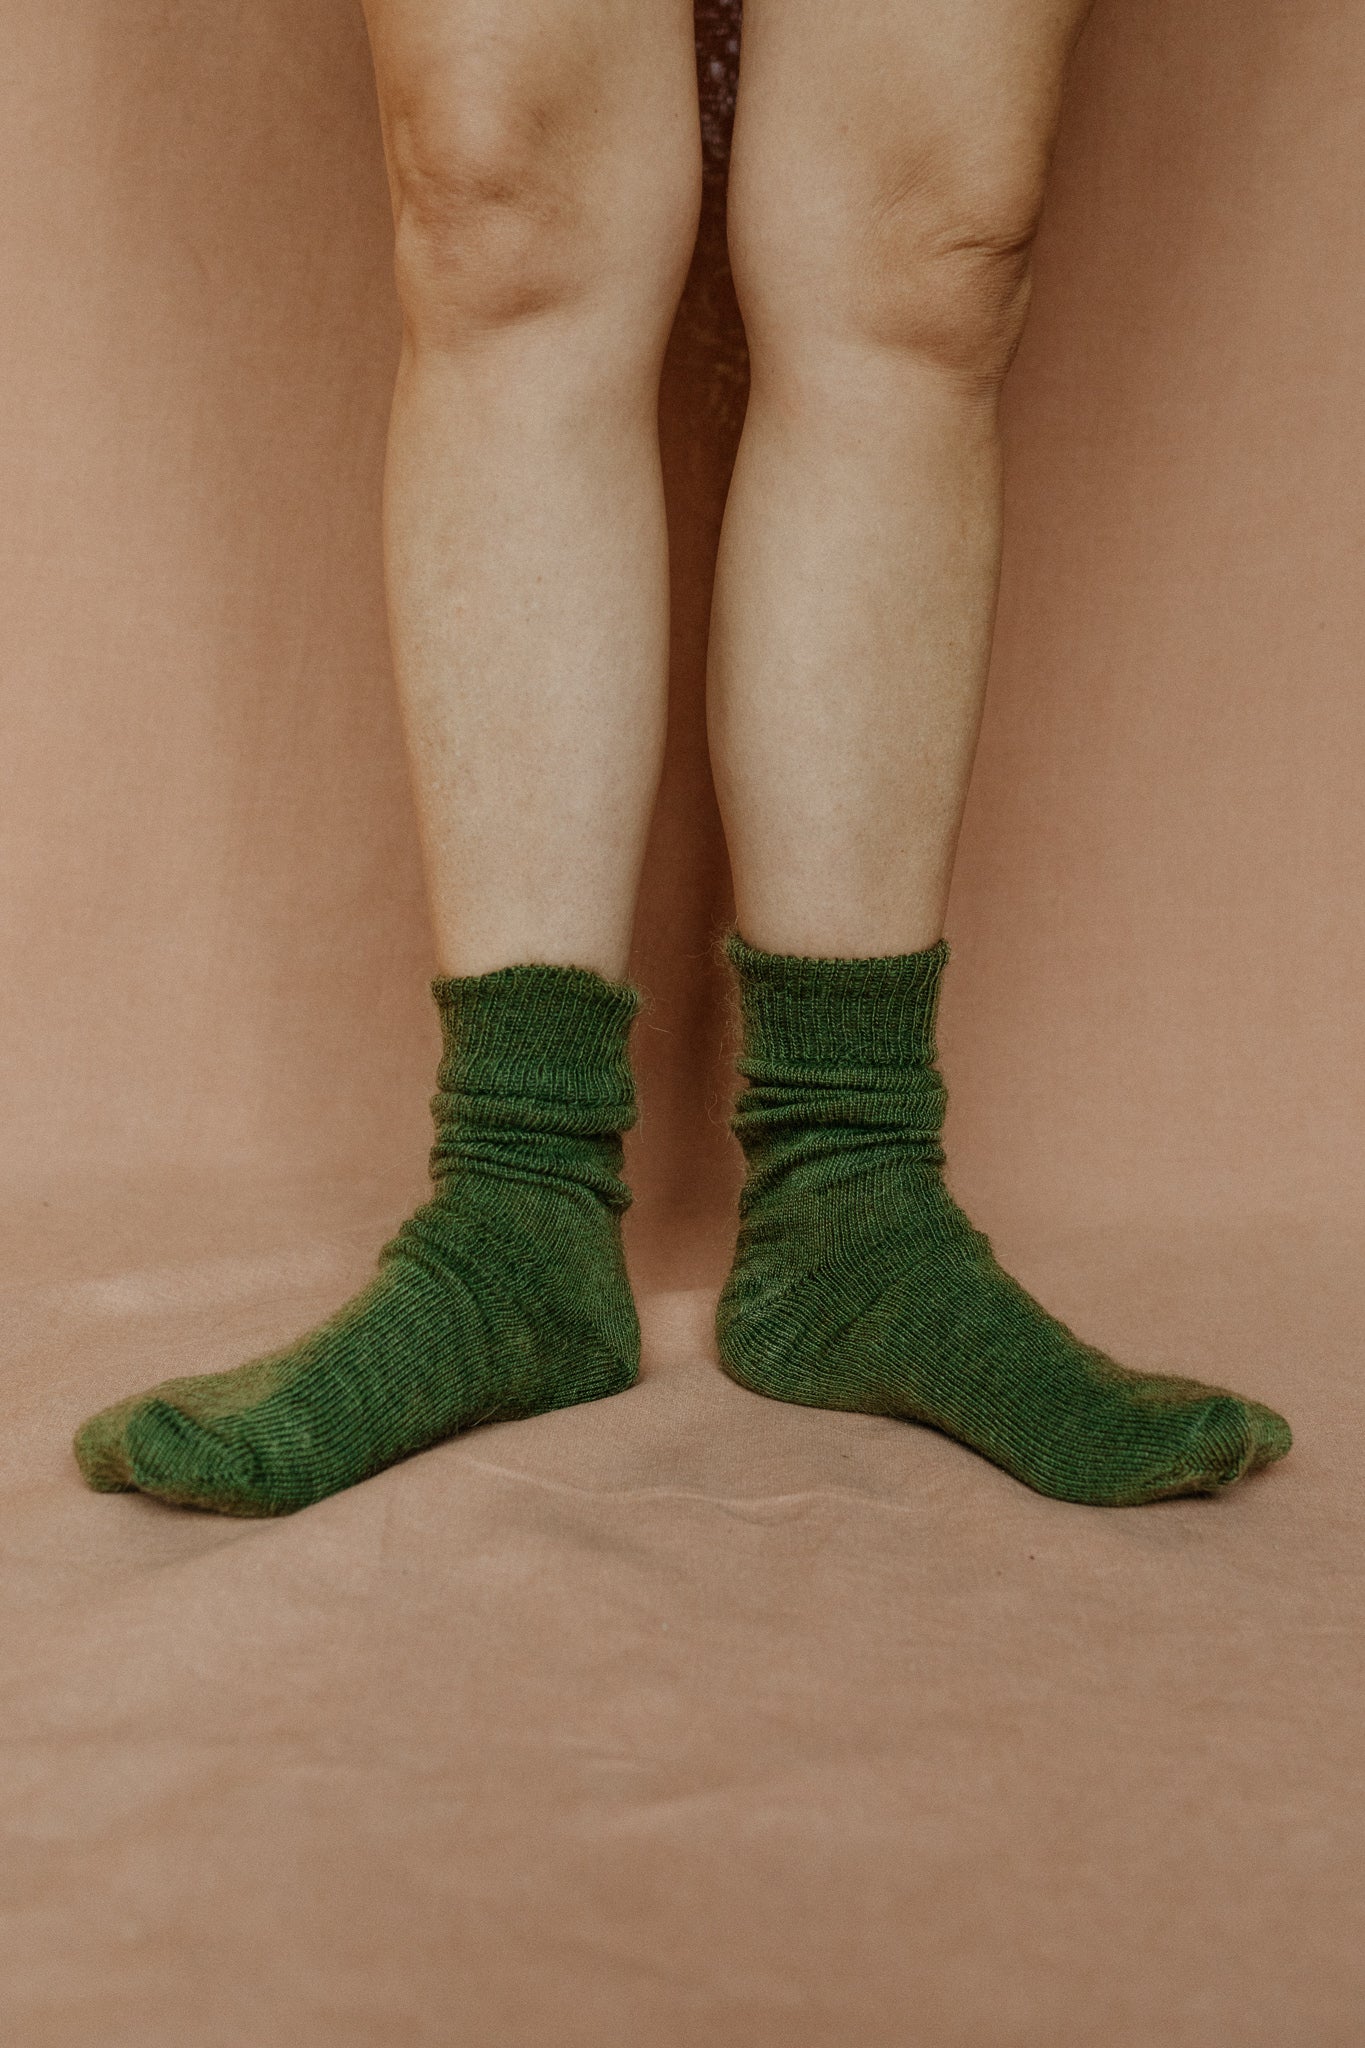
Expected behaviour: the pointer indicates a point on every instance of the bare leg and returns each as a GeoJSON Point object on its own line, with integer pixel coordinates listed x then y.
{"type": "Point", "coordinates": [543, 159]}
{"type": "Point", "coordinates": [888, 169]}
{"type": "Point", "coordinates": [545, 170]}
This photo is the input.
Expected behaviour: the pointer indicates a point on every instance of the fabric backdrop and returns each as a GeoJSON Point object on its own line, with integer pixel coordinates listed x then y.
{"type": "Point", "coordinates": [683, 1718]}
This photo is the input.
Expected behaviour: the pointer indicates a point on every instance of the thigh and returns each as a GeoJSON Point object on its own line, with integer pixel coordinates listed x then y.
{"type": "Point", "coordinates": [579, 85]}
{"type": "Point", "coordinates": [866, 78]}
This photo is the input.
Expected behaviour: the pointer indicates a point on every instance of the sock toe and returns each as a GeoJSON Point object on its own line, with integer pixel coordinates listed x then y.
{"type": "Point", "coordinates": [1221, 1446]}
{"type": "Point", "coordinates": [101, 1450]}
{"type": "Point", "coordinates": [1273, 1435]}
{"type": "Point", "coordinates": [182, 1460]}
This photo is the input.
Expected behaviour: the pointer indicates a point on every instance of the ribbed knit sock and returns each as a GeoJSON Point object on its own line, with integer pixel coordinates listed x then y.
{"type": "Point", "coordinates": [858, 1283]}
{"type": "Point", "coordinates": [503, 1296]}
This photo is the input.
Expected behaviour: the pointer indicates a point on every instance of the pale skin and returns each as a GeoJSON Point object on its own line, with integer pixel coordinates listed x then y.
{"type": "Point", "coordinates": [887, 173]}
{"type": "Point", "coordinates": [886, 177]}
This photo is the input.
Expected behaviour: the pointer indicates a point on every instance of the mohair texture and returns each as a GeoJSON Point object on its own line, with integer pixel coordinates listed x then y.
{"type": "Point", "coordinates": [504, 1295]}
{"type": "Point", "coordinates": [858, 1282]}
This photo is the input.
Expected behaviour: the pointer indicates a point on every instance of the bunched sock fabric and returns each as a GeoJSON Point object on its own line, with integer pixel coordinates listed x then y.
{"type": "Point", "coordinates": [858, 1283]}
{"type": "Point", "coordinates": [504, 1295]}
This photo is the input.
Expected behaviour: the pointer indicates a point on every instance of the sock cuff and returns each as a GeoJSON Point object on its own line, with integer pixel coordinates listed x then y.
{"type": "Point", "coordinates": [549, 1032]}
{"type": "Point", "coordinates": [798, 1007]}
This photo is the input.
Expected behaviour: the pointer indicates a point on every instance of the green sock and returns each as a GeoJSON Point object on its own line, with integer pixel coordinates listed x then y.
{"type": "Point", "coordinates": [504, 1295]}
{"type": "Point", "coordinates": [858, 1283]}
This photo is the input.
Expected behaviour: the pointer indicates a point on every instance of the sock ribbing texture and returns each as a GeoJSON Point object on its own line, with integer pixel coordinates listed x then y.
{"type": "Point", "coordinates": [858, 1282]}
{"type": "Point", "coordinates": [504, 1295]}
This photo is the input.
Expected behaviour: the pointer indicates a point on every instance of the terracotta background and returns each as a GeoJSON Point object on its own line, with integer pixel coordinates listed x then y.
{"type": "Point", "coordinates": [420, 1765]}
{"type": "Point", "coordinates": [207, 840]}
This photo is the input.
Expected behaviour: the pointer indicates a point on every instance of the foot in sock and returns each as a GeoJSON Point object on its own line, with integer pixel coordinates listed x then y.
{"type": "Point", "coordinates": [505, 1295]}
{"type": "Point", "coordinates": [858, 1283]}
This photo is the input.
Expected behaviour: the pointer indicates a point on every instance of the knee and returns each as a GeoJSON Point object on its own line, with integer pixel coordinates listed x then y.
{"type": "Point", "coordinates": [929, 257]}
{"type": "Point", "coordinates": [508, 206]}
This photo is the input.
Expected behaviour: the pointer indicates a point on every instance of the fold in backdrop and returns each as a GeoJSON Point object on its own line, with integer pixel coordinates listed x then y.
{"type": "Point", "coordinates": [951, 1779]}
